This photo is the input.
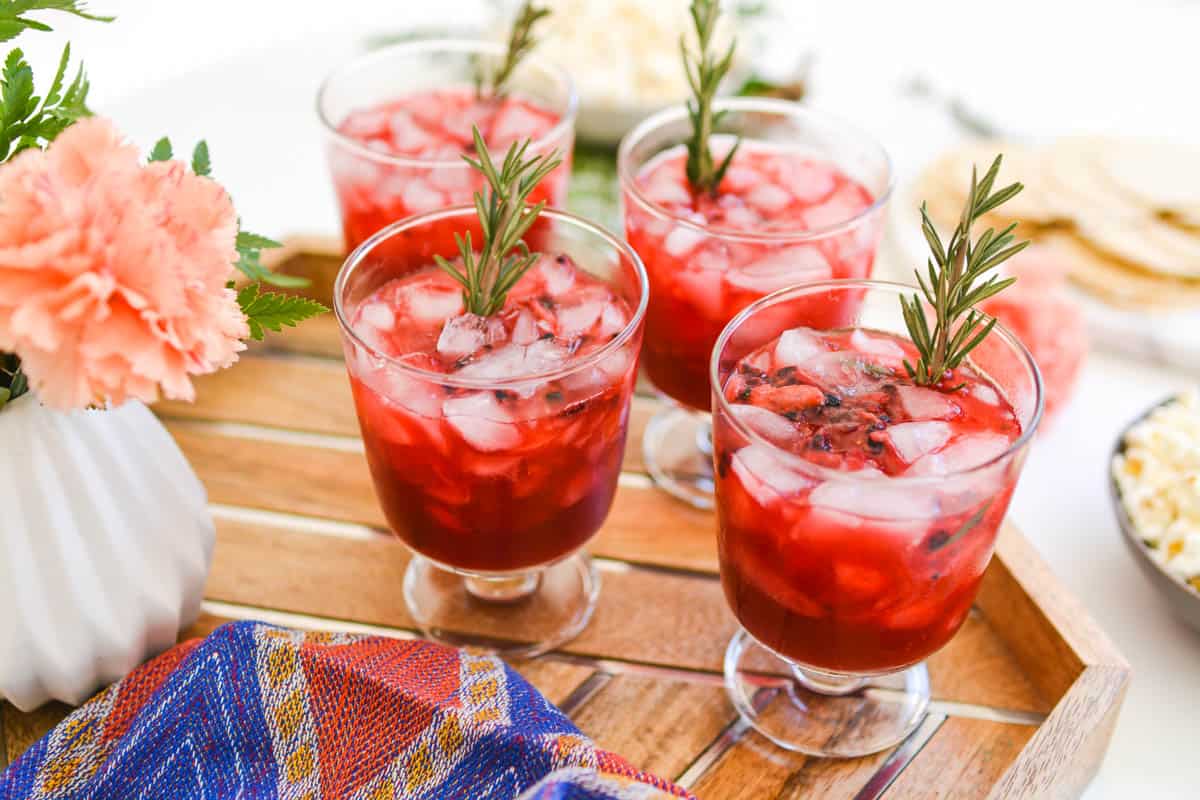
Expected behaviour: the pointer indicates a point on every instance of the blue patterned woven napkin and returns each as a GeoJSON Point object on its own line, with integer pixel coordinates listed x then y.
{"type": "Point", "coordinates": [256, 711]}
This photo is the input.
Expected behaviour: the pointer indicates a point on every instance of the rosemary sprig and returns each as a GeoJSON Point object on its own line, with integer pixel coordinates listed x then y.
{"type": "Point", "coordinates": [520, 42]}
{"type": "Point", "coordinates": [503, 256]}
{"type": "Point", "coordinates": [955, 284]}
{"type": "Point", "coordinates": [945, 541]}
{"type": "Point", "coordinates": [705, 72]}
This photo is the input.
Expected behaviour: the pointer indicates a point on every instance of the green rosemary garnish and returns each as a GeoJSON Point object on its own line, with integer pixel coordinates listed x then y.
{"type": "Point", "coordinates": [953, 287]}
{"type": "Point", "coordinates": [520, 42]}
{"type": "Point", "coordinates": [705, 73]}
{"type": "Point", "coordinates": [968, 526]}
{"type": "Point", "coordinates": [503, 256]}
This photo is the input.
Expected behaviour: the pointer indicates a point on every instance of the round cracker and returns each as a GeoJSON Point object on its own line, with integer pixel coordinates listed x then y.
{"type": "Point", "coordinates": [1148, 245]}
{"type": "Point", "coordinates": [952, 172]}
{"type": "Point", "coordinates": [1115, 282]}
{"type": "Point", "coordinates": [1110, 219]}
{"type": "Point", "coordinates": [1157, 173]}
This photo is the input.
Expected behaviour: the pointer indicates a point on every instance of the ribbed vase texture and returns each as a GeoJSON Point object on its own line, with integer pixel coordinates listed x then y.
{"type": "Point", "coordinates": [105, 544]}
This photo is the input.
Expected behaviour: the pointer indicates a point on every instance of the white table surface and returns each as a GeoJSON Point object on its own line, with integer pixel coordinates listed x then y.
{"type": "Point", "coordinates": [243, 75]}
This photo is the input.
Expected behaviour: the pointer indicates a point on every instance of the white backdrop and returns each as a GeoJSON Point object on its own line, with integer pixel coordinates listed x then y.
{"type": "Point", "coordinates": [243, 75]}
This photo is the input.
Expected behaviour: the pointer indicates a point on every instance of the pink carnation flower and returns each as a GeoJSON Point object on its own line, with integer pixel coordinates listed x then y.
{"type": "Point", "coordinates": [113, 273]}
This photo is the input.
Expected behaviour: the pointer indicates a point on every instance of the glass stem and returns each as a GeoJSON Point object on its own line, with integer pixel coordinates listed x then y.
{"type": "Point", "coordinates": [503, 589]}
{"type": "Point", "coordinates": [827, 683]}
{"type": "Point", "coordinates": [704, 440]}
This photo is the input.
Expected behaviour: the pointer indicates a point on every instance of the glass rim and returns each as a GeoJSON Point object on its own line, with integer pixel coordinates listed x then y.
{"type": "Point", "coordinates": [828, 473]}
{"type": "Point", "coordinates": [452, 45]}
{"type": "Point", "coordinates": [628, 178]}
{"type": "Point", "coordinates": [356, 257]}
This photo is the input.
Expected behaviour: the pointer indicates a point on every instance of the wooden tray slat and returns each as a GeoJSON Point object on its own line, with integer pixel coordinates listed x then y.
{"type": "Point", "coordinates": [963, 755]}
{"type": "Point", "coordinates": [18, 731]}
{"type": "Point", "coordinates": [660, 725]}
{"type": "Point", "coordinates": [305, 394]}
{"type": "Point", "coordinates": [756, 768]}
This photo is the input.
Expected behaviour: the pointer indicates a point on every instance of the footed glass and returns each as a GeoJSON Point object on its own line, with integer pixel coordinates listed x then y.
{"type": "Point", "coordinates": [803, 201]}
{"type": "Point", "coordinates": [857, 512]}
{"type": "Point", "coordinates": [495, 475]}
{"type": "Point", "coordinates": [398, 121]}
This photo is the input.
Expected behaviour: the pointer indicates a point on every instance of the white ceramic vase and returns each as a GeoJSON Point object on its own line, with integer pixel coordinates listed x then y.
{"type": "Point", "coordinates": [105, 543]}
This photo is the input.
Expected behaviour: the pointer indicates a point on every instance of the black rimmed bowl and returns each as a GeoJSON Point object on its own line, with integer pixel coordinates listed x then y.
{"type": "Point", "coordinates": [1184, 600]}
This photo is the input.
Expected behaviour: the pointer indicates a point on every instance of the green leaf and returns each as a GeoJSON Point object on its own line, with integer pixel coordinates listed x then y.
{"type": "Point", "coordinates": [721, 170]}
{"type": "Point", "coordinates": [451, 270]}
{"type": "Point", "coordinates": [705, 71]}
{"type": "Point", "coordinates": [12, 379]}
{"type": "Point", "coordinates": [283, 281]}
{"type": "Point", "coordinates": [504, 217]}
{"type": "Point", "coordinates": [17, 93]}
{"type": "Point", "coordinates": [18, 106]}
{"type": "Point", "coordinates": [253, 241]}
{"type": "Point", "coordinates": [55, 93]}
{"type": "Point", "coordinates": [74, 101]}
{"type": "Point", "coordinates": [272, 311]}
{"type": "Point", "coordinates": [748, 9]}
{"type": "Point", "coordinates": [162, 150]}
{"type": "Point", "coordinates": [201, 165]}
{"type": "Point", "coordinates": [13, 22]}
{"type": "Point", "coordinates": [757, 86]}
{"type": "Point", "coordinates": [520, 42]}
{"type": "Point", "coordinates": [958, 281]}
{"type": "Point", "coordinates": [19, 385]}
{"type": "Point", "coordinates": [248, 264]}
{"type": "Point", "coordinates": [248, 247]}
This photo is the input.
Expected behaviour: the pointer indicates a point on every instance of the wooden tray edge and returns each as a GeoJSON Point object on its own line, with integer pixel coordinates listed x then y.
{"type": "Point", "coordinates": [1061, 610]}
{"type": "Point", "coordinates": [1068, 748]}
{"type": "Point", "coordinates": [1064, 650]}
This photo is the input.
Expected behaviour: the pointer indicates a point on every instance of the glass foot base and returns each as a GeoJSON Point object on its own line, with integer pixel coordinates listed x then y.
{"type": "Point", "coordinates": [677, 449]}
{"type": "Point", "coordinates": [520, 615]}
{"type": "Point", "coordinates": [822, 714]}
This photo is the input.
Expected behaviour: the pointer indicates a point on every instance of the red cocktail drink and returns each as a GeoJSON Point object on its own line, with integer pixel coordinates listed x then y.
{"type": "Point", "coordinates": [698, 281]}
{"type": "Point", "coordinates": [858, 511]}
{"type": "Point", "coordinates": [399, 122]}
{"type": "Point", "coordinates": [857, 577]}
{"type": "Point", "coordinates": [495, 442]}
{"type": "Point", "coordinates": [801, 202]}
{"type": "Point", "coordinates": [494, 479]}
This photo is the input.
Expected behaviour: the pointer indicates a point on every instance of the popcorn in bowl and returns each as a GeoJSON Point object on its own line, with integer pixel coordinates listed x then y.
{"type": "Point", "coordinates": [1158, 474]}
{"type": "Point", "coordinates": [622, 53]}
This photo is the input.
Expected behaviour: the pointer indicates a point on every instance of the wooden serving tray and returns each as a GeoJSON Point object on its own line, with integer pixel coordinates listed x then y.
{"type": "Point", "coordinates": [1026, 695]}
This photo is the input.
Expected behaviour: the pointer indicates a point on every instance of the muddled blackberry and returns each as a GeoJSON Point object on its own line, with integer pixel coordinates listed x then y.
{"type": "Point", "coordinates": [784, 376]}
{"type": "Point", "coordinates": [937, 540]}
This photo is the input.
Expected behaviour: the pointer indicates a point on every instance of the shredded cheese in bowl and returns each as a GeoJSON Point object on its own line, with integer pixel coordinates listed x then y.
{"type": "Point", "coordinates": [1158, 475]}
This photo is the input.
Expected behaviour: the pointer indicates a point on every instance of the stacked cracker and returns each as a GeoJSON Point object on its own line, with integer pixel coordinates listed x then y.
{"type": "Point", "coordinates": [1123, 214]}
